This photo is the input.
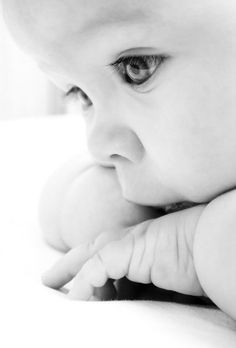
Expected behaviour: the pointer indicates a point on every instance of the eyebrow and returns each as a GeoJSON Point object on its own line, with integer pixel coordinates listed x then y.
{"type": "Point", "coordinates": [114, 19]}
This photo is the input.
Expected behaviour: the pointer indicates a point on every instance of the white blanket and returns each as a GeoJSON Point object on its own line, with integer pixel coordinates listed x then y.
{"type": "Point", "coordinates": [35, 316]}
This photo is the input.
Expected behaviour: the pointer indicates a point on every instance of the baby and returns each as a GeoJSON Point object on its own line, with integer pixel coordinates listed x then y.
{"type": "Point", "coordinates": [156, 85]}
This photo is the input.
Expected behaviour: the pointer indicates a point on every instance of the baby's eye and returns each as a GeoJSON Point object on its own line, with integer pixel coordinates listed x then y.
{"type": "Point", "coordinates": [77, 94]}
{"type": "Point", "coordinates": [136, 70]}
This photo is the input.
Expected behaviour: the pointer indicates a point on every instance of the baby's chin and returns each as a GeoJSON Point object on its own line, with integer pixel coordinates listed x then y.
{"type": "Point", "coordinates": [169, 207]}
{"type": "Point", "coordinates": [169, 202]}
{"type": "Point", "coordinates": [145, 195]}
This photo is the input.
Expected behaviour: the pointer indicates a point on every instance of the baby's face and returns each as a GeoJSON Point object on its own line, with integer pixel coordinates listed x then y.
{"type": "Point", "coordinates": [166, 118]}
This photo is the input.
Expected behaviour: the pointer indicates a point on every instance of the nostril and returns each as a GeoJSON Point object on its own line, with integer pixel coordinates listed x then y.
{"type": "Point", "coordinates": [115, 156]}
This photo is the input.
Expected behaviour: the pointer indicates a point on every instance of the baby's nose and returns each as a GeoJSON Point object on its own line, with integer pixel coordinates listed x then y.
{"type": "Point", "coordinates": [107, 141]}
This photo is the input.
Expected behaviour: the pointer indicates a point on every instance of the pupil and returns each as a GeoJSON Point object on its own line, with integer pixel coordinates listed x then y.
{"type": "Point", "coordinates": [135, 69]}
{"type": "Point", "coordinates": [136, 72]}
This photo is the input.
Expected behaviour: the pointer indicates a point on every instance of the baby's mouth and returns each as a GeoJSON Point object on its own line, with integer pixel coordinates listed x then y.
{"type": "Point", "coordinates": [171, 208]}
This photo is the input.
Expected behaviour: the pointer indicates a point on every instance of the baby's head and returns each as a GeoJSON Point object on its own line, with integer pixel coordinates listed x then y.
{"type": "Point", "coordinates": [157, 83]}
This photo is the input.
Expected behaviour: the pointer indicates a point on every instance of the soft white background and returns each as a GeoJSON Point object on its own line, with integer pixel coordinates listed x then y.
{"type": "Point", "coordinates": [24, 89]}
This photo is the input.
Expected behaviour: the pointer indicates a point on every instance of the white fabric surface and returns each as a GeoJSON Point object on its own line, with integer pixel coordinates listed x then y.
{"type": "Point", "coordinates": [35, 316]}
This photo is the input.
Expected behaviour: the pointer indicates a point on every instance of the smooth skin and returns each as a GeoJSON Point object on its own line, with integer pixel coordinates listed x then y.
{"type": "Point", "coordinates": [171, 139]}
{"type": "Point", "coordinates": [81, 200]}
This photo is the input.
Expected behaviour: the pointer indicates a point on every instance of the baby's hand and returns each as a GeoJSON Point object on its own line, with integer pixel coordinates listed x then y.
{"type": "Point", "coordinates": [157, 251]}
{"type": "Point", "coordinates": [81, 201]}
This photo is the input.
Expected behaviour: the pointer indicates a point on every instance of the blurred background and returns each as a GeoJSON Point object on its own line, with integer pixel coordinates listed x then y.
{"type": "Point", "coordinates": [24, 89]}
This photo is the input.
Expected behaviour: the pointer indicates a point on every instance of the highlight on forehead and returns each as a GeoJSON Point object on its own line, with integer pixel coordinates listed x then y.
{"type": "Point", "coordinates": [41, 15]}
{"type": "Point", "coordinates": [114, 17]}
{"type": "Point", "coordinates": [74, 15]}
{"type": "Point", "coordinates": [46, 24]}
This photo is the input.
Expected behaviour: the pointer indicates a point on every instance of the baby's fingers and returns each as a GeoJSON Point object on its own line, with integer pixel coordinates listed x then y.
{"type": "Point", "coordinates": [111, 262]}
{"type": "Point", "coordinates": [67, 267]}
{"type": "Point", "coordinates": [70, 264]}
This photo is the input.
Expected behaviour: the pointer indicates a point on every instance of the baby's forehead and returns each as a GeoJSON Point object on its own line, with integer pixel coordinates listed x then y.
{"type": "Point", "coordinates": [50, 22]}
{"type": "Point", "coordinates": [53, 15]}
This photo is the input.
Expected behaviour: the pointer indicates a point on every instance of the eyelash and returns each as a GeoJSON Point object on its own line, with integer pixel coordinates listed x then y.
{"type": "Point", "coordinates": [120, 67]}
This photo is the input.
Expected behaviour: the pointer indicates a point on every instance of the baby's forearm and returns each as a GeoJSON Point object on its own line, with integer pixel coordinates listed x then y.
{"type": "Point", "coordinates": [215, 252]}
{"type": "Point", "coordinates": [191, 252]}
{"type": "Point", "coordinates": [195, 248]}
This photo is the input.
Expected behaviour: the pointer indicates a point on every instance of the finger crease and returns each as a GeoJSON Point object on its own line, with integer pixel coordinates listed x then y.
{"type": "Point", "coordinates": [131, 254]}
{"type": "Point", "coordinates": [102, 263]}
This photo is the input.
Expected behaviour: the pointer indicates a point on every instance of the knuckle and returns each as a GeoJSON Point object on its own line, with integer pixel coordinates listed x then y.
{"type": "Point", "coordinates": [138, 265]}
{"type": "Point", "coordinates": [173, 267]}
{"type": "Point", "coordinates": [165, 261]}
{"type": "Point", "coordinates": [116, 256]}
{"type": "Point", "coordinates": [142, 253]}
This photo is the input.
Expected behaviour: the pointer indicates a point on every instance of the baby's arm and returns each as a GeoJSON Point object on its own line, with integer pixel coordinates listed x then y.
{"type": "Point", "coordinates": [215, 252]}
{"type": "Point", "coordinates": [192, 251]}
{"type": "Point", "coordinates": [157, 251]}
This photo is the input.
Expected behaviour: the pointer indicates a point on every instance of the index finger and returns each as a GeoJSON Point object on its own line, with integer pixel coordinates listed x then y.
{"type": "Point", "coordinates": [67, 267]}
{"type": "Point", "coordinates": [70, 264]}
